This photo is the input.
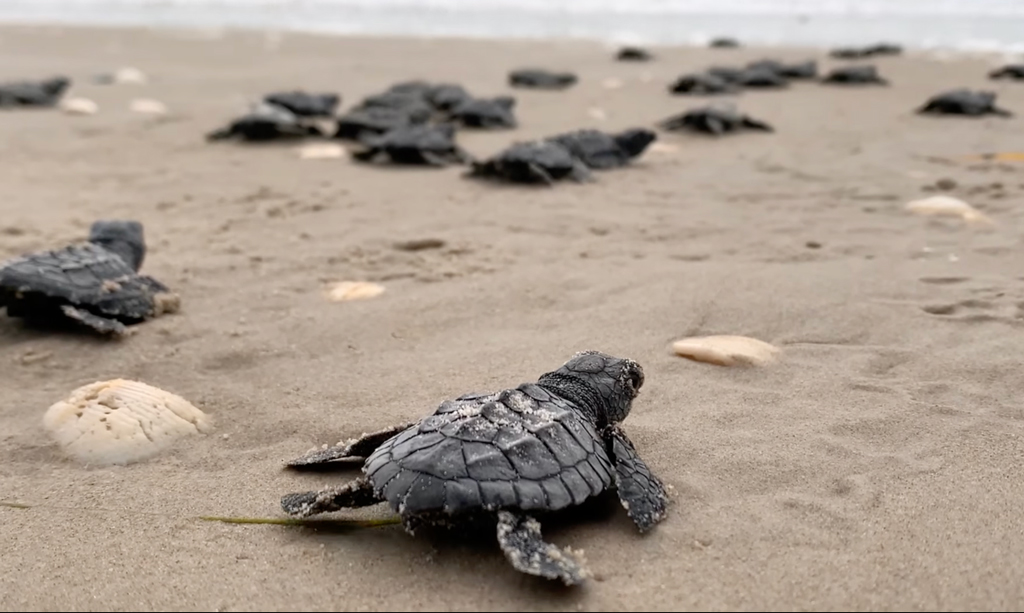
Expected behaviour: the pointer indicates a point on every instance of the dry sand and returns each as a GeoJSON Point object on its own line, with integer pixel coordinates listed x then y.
{"type": "Point", "coordinates": [876, 466]}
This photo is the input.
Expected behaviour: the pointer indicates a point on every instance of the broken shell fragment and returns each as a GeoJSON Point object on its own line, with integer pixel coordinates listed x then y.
{"type": "Point", "coordinates": [353, 290]}
{"type": "Point", "coordinates": [321, 151]}
{"type": "Point", "coordinates": [79, 106]}
{"type": "Point", "coordinates": [121, 422]}
{"type": "Point", "coordinates": [147, 106]}
{"type": "Point", "coordinates": [726, 350]}
{"type": "Point", "coordinates": [947, 206]}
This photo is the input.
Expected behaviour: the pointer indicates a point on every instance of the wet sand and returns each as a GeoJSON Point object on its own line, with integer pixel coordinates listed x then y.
{"type": "Point", "coordinates": [874, 466]}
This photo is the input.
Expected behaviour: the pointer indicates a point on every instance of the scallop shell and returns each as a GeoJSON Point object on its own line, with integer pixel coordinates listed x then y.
{"type": "Point", "coordinates": [321, 151]}
{"type": "Point", "coordinates": [947, 206]}
{"type": "Point", "coordinates": [79, 106]}
{"type": "Point", "coordinates": [148, 106]}
{"type": "Point", "coordinates": [121, 422]}
{"type": "Point", "coordinates": [726, 350]}
{"type": "Point", "coordinates": [353, 290]}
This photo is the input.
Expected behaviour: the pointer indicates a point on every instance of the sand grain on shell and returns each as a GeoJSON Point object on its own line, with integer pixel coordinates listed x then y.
{"type": "Point", "coordinates": [121, 422]}
{"type": "Point", "coordinates": [726, 350]}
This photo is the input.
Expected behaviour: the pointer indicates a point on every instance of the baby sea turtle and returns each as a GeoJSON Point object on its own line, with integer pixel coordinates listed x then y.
{"type": "Point", "coordinates": [506, 457]}
{"type": "Point", "coordinates": [426, 144]}
{"type": "Point", "coordinates": [856, 53]}
{"type": "Point", "coordinates": [537, 161]}
{"type": "Point", "coordinates": [761, 78]}
{"type": "Point", "coordinates": [601, 150]}
{"type": "Point", "coordinates": [1009, 71]}
{"type": "Point", "coordinates": [266, 122]}
{"type": "Point", "coordinates": [44, 93]}
{"type": "Point", "coordinates": [95, 283]}
{"type": "Point", "coordinates": [713, 120]}
{"type": "Point", "coordinates": [854, 75]}
{"type": "Point", "coordinates": [486, 113]}
{"type": "Point", "coordinates": [702, 84]}
{"type": "Point", "coordinates": [726, 73]}
{"type": "Point", "coordinates": [724, 42]}
{"type": "Point", "coordinates": [446, 96]}
{"type": "Point", "coordinates": [304, 104]}
{"type": "Point", "coordinates": [538, 78]}
{"type": "Point", "coordinates": [630, 53]}
{"type": "Point", "coordinates": [358, 124]}
{"type": "Point", "coordinates": [798, 70]}
{"type": "Point", "coordinates": [410, 101]}
{"type": "Point", "coordinates": [963, 101]}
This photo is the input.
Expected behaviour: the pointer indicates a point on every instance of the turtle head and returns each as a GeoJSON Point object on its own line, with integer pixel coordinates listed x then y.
{"type": "Point", "coordinates": [635, 141]}
{"type": "Point", "coordinates": [603, 383]}
{"type": "Point", "coordinates": [121, 236]}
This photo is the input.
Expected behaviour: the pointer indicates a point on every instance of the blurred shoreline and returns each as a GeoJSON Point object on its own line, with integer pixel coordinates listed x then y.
{"type": "Point", "coordinates": [965, 31]}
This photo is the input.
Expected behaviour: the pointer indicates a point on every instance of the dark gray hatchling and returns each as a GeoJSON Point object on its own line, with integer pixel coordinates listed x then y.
{"type": "Point", "coordinates": [538, 78]}
{"type": "Point", "coordinates": [511, 456]}
{"type": "Point", "coordinates": [963, 101]}
{"type": "Point", "coordinates": [602, 150]}
{"type": "Point", "coordinates": [95, 284]}
{"type": "Point", "coordinates": [761, 78]}
{"type": "Point", "coordinates": [485, 113]}
{"type": "Point", "coordinates": [305, 104]}
{"type": "Point", "coordinates": [362, 123]}
{"type": "Point", "coordinates": [266, 122]}
{"type": "Point", "coordinates": [715, 120]}
{"type": "Point", "coordinates": [447, 96]}
{"type": "Point", "coordinates": [425, 145]}
{"type": "Point", "coordinates": [854, 75]}
{"type": "Point", "coordinates": [798, 70]}
{"type": "Point", "coordinates": [43, 93]}
{"type": "Point", "coordinates": [541, 161]}
{"type": "Point", "coordinates": [702, 84]}
{"type": "Point", "coordinates": [1010, 71]}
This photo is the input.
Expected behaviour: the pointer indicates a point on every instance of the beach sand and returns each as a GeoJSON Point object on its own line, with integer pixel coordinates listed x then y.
{"type": "Point", "coordinates": [874, 466]}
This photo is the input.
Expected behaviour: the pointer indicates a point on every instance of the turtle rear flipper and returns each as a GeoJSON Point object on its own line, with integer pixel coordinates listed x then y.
{"type": "Point", "coordinates": [520, 540]}
{"type": "Point", "coordinates": [349, 451]}
{"type": "Point", "coordinates": [580, 173]}
{"type": "Point", "coordinates": [220, 134]}
{"type": "Point", "coordinates": [358, 493]}
{"type": "Point", "coordinates": [434, 159]}
{"type": "Point", "coordinates": [102, 325]}
{"type": "Point", "coordinates": [641, 492]}
{"type": "Point", "coordinates": [754, 124]}
{"type": "Point", "coordinates": [1001, 112]}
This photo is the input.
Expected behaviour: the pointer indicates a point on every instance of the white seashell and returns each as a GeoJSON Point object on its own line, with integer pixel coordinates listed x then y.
{"type": "Point", "coordinates": [79, 106]}
{"type": "Point", "coordinates": [121, 422]}
{"type": "Point", "coordinates": [947, 206]}
{"type": "Point", "coordinates": [726, 350]}
{"type": "Point", "coordinates": [148, 106]}
{"type": "Point", "coordinates": [596, 113]}
{"type": "Point", "coordinates": [353, 290]}
{"type": "Point", "coordinates": [129, 75]}
{"type": "Point", "coordinates": [321, 151]}
{"type": "Point", "coordinates": [612, 83]}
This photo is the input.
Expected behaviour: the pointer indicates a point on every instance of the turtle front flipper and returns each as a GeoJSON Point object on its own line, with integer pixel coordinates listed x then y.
{"type": "Point", "coordinates": [642, 493]}
{"type": "Point", "coordinates": [358, 493]}
{"type": "Point", "coordinates": [102, 325]}
{"type": "Point", "coordinates": [366, 155]}
{"type": "Point", "coordinates": [755, 124]}
{"type": "Point", "coordinates": [355, 450]}
{"type": "Point", "coordinates": [520, 540]}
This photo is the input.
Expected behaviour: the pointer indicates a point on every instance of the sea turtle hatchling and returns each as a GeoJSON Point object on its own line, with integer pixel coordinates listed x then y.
{"type": "Point", "coordinates": [485, 113]}
{"type": "Point", "coordinates": [963, 101]}
{"type": "Point", "coordinates": [807, 69]}
{"type": "Point", "coordinates": [42, 93]}
{"type": "Point", "coordinates": [510, 456]}
{"type": "Point", "coordinates": [537, 161]}
{"type": "Point", "coordinates": [632, 53]}
{"type": "Point", "coordinates": [854, 75]}
{"type": "Point", "coordinates": [538, 78]}
{"type": "Point", "coordinates": [706, 84]}
{"type": "Point", "coordinates": [361, 123]}
{"type": "Point", "coordinates": [1009, 71]}
{"type": "Point", "coordinates": [95, 283]}
{"type": "Point", "coordinates": [715, 120]}
{"type": "Point", "coordinates": [426, 144]}
{"type": "Point", "coordinates": [265, 122]}
{"type": "Point", "coordinates": [602, 150]}
{"type": "Point", "coordinates": [305, 104]}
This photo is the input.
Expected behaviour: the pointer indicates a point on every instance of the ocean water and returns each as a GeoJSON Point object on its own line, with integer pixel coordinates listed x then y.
{"type": "Point", "coordinates": [981, 25]}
